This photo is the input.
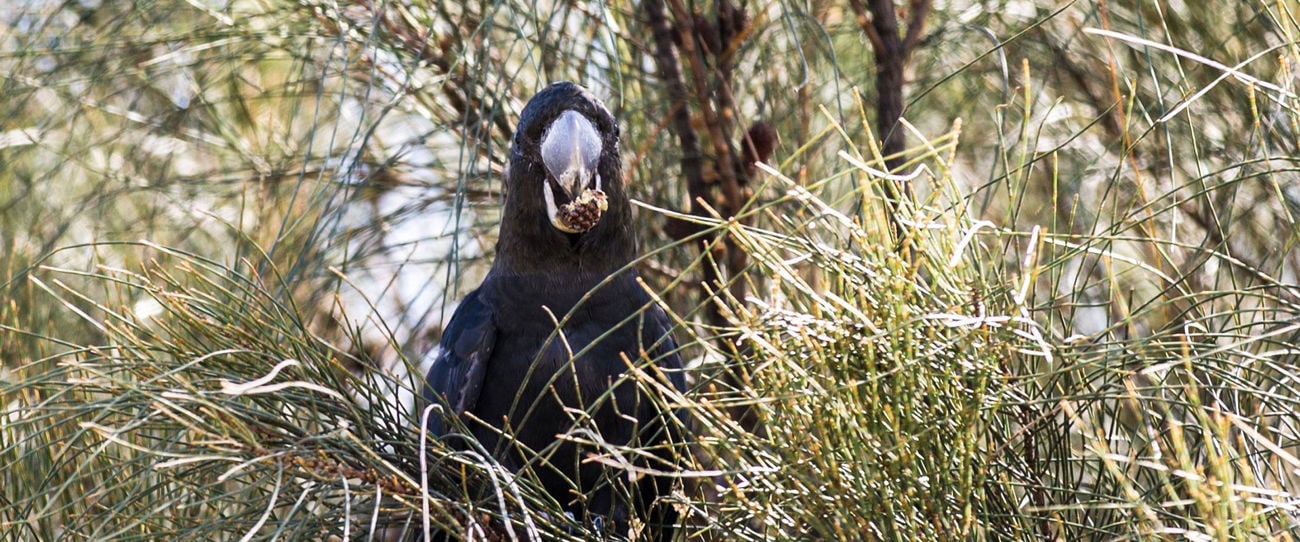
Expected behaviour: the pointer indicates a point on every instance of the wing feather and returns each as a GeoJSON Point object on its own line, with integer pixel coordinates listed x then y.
{"type": "Point", "coordinates": [666, 355]}
{"type": "Point", "coordinates": [456, 377]}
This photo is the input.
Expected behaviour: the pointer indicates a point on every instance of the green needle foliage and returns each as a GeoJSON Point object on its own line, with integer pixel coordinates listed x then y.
{"type": "Point", "coordinates": [872, 376]}
{"type": "Point", "coordinates": [230, 230]}
{"type": "Point", "coordinates": [218, 416]}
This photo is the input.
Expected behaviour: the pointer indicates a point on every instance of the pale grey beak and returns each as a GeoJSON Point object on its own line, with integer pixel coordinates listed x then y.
{"type": "Point", "coordinates": [570, 151]}
{"type": "Point", "coordinates": [571, 154]}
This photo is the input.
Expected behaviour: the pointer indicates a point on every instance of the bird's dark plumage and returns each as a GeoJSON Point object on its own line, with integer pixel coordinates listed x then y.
{"type": "Point", "coordinates": [502, 366]}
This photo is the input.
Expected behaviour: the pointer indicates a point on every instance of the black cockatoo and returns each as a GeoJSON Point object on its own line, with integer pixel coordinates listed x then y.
{"type": "Point", "coordinates": [566, 240]}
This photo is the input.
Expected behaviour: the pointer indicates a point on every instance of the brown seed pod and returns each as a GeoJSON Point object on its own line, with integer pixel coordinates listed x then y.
{"type": "Point", "coordinates": [584, 212]}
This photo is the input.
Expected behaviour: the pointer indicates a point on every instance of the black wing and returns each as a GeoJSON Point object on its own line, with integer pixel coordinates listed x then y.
{"type": "Point", "coordinates": [666, 354]}
{"type": "Point", "coordinates": [456, 377]}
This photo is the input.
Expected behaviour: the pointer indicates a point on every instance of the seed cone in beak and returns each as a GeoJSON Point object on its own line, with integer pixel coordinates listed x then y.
{"type": "Point", "coordinates": [571, 149]}
{"type": "Point", "coordinates": [581, 214]}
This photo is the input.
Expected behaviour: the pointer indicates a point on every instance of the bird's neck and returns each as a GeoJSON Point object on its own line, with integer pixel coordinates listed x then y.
{"type": "Point", "coordinates": [530, 245]}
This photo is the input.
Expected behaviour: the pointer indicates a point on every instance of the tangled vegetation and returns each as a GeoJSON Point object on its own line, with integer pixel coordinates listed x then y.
{"type": "Point", "coordinates": [1060, 305]}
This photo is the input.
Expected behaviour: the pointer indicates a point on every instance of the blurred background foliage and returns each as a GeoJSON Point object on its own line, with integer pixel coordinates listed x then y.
{"type": "Point", "coordinates": [1087, 330]}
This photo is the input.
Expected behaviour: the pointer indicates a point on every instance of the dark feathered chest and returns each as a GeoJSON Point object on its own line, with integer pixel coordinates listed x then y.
{"type": "Point", "coordinates": [538, 370]}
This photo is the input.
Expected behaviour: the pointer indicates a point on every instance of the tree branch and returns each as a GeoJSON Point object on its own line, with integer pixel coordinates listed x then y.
{"type": "Point", "coordinates": [880, 23]}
